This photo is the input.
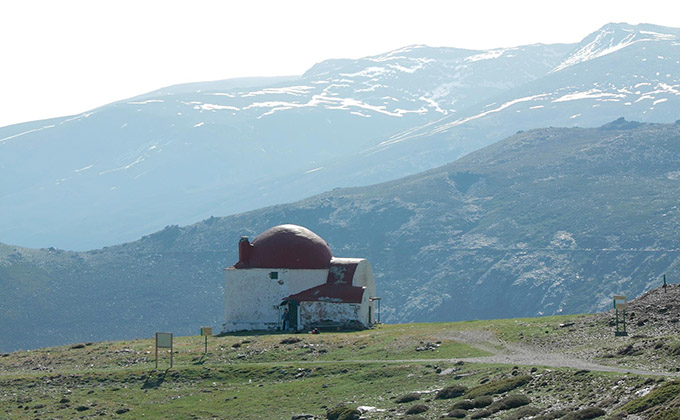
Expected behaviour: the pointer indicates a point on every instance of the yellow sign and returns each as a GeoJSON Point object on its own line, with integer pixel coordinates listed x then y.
{"type": "Point", "coordinates": [206, 330]}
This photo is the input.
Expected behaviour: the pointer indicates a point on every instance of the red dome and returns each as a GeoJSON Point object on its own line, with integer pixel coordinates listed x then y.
{"type": "Point", "coordinates": [289, 246]}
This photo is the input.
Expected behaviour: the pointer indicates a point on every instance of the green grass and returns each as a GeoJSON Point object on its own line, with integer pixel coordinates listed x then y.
{"type": "Point", "coordinates": [255, 376]}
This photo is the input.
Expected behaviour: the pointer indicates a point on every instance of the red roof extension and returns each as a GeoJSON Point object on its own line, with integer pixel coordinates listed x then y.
{"type": "Point", "coordinates": [338, 287]}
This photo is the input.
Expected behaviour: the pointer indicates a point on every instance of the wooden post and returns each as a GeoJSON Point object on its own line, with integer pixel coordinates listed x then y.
{"type": "Point", "coordinates": [164, 341]}
{"type": "Point", "coordinates": [664, 283]}
{"type": "Point", "coordinates": [206, 331]}
{"type": "Point", "coordinates": [621, 304]}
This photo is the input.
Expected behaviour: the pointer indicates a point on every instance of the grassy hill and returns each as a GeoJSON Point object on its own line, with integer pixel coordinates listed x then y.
{"type": "Point", "coordinates": [558, 367]}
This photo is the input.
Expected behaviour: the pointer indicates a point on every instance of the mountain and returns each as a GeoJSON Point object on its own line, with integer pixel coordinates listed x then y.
{"type": "Point", "coordinates": [548, 221]}
{"type": "Point", "coordinates": [183, 153]}
{"type": "Point", "coordinates": [619, 71]}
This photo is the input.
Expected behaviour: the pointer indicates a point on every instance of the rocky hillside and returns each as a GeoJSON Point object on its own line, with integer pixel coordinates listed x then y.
{"type": "Point", "coordinates": [548, 221]}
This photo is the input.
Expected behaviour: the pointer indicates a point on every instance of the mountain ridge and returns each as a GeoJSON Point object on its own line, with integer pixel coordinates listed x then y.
{"type": "Point", "coordinates": [533, 225]}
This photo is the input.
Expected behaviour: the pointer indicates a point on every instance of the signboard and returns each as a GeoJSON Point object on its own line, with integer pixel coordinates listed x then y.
{"type": "Point", "coordinates": [206, 330]}
{"type": "Point", "coordinates": [620, 302]}
{"type": "Point", "coordinates": [164, 340]}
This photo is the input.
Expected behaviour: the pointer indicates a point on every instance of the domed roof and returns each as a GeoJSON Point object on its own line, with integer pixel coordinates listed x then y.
{"type": "Point", "coordinates": [289, 246]}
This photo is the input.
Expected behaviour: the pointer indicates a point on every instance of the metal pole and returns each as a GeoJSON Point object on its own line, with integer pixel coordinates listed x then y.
{"type": "Point", "coordinates": [172, 353]}
{"type": "Point", "coordinates": [206, 345]}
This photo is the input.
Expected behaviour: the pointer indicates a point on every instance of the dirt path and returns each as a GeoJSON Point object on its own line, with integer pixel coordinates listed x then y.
{"type": "Point", "coordinates": [523, 354]}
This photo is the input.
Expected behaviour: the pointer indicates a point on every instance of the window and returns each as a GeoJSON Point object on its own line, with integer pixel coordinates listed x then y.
{"type": "Point", "coordinates": [274, 275]}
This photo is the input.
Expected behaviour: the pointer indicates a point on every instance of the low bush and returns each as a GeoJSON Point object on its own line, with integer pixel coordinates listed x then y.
{"type": "Point", "coordinates": [499, 386]}
{"type": "Point", "coordinates": [511, 401]}
{"type": "Point", "coordinates": [672, 414]}
{"type": "Point", "coordinates": [343, 412]}
{"type": "Point", "coordinates": [417, 409]}
{"type": "Point", "coordinates": [483, 401]}
{"type": "Point", "coordinates": [522, 413]}
{"type": "Point", "coordinates": [552, 415]}
{"type": "Point", "coordinates": [481, 414]}
{"type": "Point", "coordinates": [412, 396]}
{"type": "Point", "coordinates": [457, 413]}
{"type": "Point", "coordinates": [464, 405]}
{"type": "Point", "coordinates": [451, 391]}
{"type": "Point", "coordinates": [585, 414]}
{"type": "Point", "coordinates": [657, 397]}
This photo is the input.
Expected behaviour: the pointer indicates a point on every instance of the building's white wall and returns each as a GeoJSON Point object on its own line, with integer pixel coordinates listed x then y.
{"type": "Point", "coordinates": [363, 277]}
{"type": "Point", "coordinates": [252, 298]}
{"type": "Point", "coordinates": [313, 312]}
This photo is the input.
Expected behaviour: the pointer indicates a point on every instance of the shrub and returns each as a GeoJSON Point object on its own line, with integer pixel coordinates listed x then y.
{"type": "Point", "coordinates": [552, 415]}
{"type": "Point", "coordinates": [412, 396]}
{"type": "Point", "coordinates": [417, 409]}
{"type": "Point", "coordinates": [457, 413]}
{"type": "Point", "coordinates": [585, 414]}
{"type": "Point", "coordinates": [511, 401]}
{"type": "Point", "coordinates": [672, 414]}
{"type": "Point", "coordinates": [483, 401]}
{"type": "Point", "coordinates": [524, 412]}
{"type": "Point", "coordinates": [464, 405]}
{"type": "Point", "coordinates": [481, 414]}
{"type": "Point", "coordinates": [343, 412]}
{"type": "Point", "coordinates": [451, 391]}
{"type": "Point", "coordinates": [657, 397]}
{"type": "Point", "coordinates": [500, 386]}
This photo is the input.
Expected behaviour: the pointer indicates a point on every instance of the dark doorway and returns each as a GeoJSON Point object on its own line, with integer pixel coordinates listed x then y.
{"type": "Point", "coordinates": [293, 314]}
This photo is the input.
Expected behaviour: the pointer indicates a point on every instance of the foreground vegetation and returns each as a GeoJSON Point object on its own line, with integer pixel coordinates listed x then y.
{"type": "Point", "coordinates": [413, 371]}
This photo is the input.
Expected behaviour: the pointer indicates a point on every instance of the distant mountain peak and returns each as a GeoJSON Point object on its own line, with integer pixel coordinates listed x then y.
{"type": "Point", "coordinates": [613, 37]}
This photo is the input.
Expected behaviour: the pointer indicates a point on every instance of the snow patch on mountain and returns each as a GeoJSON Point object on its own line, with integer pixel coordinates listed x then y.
{"type": "Point", "coordinates": [290, 90]}
{"type": "Point", "coordinates": [590, 94]}
{"type": "Point", "coordinates": [610, 39]}
{"type": "Point", "coordinates": [489, 55]}
{"type": "Point", "coordinates": [128, 166]}
{"type": "Point", "coordinates": [150, 101]}
{"type": "Point", "coordinates": [27, 132]}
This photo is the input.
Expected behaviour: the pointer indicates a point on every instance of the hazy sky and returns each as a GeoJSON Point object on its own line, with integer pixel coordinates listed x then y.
{"type": "Point", "coordinates": [64, 57]}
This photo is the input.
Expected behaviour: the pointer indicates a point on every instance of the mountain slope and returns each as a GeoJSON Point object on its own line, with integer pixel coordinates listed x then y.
{"type": "Point", "coordinates": [183, 153]}
{"type": "Point", "coordinates": [180, 154]}
{"type": "Point", "coordinates": [619, 71]}
{"type": "Point", "coordinates": [548, 221]}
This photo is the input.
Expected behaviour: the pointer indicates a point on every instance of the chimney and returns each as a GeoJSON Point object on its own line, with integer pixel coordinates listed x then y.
{"type": "Point", "coordinates": [244, 249]}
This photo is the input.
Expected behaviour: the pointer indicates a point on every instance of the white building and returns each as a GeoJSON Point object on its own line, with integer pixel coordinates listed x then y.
{"type": "Point", "coordinates": [289, 266]}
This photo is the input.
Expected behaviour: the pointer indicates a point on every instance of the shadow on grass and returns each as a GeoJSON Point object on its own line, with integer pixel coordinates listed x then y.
{"type": "Point", "coordinates": [322, 329]}
{"type": "Point", "coordinates": [155, 379]}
